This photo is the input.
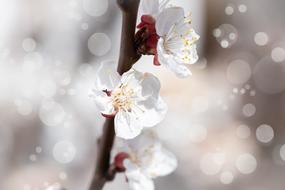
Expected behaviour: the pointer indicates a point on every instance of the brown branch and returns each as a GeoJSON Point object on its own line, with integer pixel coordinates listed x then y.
{"type": "Point", "coordinates": [128, 56]}
{"type": "Point", "coordinates": [128, 53]}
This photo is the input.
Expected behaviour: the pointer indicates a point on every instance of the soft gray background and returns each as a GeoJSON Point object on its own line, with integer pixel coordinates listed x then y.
{"type": "Point", "coordinates": [49, 125]}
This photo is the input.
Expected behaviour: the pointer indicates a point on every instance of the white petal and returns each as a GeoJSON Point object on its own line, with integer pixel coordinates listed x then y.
{"type": "Point", "coordinates": [144, 141]}
{"type": "Point", "coordinates": [154, 160]}
{"type": "Point", "coordinates": [180, 70]}
{"type": "Point", "coordinates": [140, 182]}
{"type": "Point", "coordinates": [169, 61]}
{"type": "Point", "coordinates": [193, 56]}
{"type": "Point", "coordinates": [144, 84]}
{"type": "Point", "coordinates": [126, 125]}
{"type": "Point", "coordinates": [148, 7]}
{"type": "Point", "coordinates": [148, 108]}
{"type": "Point", "coordinates": [130, 166]}
{"type": "Point", "coordinates": [163, 163]}
{"type": "Point", "coordinates": [107, 76]}
{"type": "Point", "coordinates": [163, 4]}
{"type": "Point", "coordinates": [153, 116]}
{"type": "Point", "coordinates": [167, 18]}
{"type": "Point", "coordinates": [137, 180]}
{"type": "Point", "coordinates": [103, 102]}
{"type": "Point", "coordinates": [132, 78]}
{"type": "Point", "coordinates": [150, 86]}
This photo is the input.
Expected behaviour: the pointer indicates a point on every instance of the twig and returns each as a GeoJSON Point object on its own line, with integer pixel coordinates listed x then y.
{"type": "Point", "coordinates": [128, 56]}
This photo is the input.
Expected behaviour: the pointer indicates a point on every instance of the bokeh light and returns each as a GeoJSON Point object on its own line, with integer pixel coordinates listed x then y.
{"type": "Point", "coordinates": [103, 40]}
{"type": "Point", "coordinates": [264, 133]}
{"type": "Point", "coordinates": [246, 163]}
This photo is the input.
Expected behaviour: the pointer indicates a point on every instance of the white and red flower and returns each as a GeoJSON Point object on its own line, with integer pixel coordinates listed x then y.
{"type": "Point", "coordinates": [133, 99]}
{"type": "Point", "coordinates": [168, 35]}
{"type": "Point", "coordinates": [143, 159]}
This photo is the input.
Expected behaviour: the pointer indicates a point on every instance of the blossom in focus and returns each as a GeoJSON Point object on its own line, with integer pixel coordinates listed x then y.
{"type": "Point", "coordinates": [168, 35]}
{"type": "Point", "coordinates": [146, 160]}
{"type": "Point", "coordinates": [133, 99]}
{"type": "Point", "coordinates": [146, 36]}
{"type": "Point", "coordinates": [177, 43]}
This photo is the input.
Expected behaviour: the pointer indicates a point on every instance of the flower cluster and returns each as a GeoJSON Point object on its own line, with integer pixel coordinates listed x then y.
{"type": "Point", "coordinates": [133, 99]}
{"type": "Point", "coordinates": [167, 34]}
{"type": "Point", "coordinates": [143, 159]}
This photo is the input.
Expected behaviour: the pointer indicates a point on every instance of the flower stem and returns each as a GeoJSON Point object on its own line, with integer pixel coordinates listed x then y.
{"type": "Point", "coordinates": [128, 56]}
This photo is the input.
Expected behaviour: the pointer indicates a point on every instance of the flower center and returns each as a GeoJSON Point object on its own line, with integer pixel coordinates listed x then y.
{"type": "Point", "coordinates": [122, 98]}
{"type": "Point", "coordinates": [180, 38]}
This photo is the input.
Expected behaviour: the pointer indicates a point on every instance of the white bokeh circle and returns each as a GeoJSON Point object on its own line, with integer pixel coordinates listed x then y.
{"type": "Point", "coordinates": [95, 8]}
{"type": "Point", "coordinates": [282, 152]}
{"type": "Point", "coordinates": [197, 133]}
{"type": "Point", "coordinates": [51, 113]}
{"type": "Point", "coordinates": [278, 54]}
{"type": "Point", "coordinates": [211, 163]}
{"type": "Point", "coordinates": [261, 38]}
{"type": "Point", "coordinates": [248, 110]}
{"type": "Point", "coordinates": [47, 88]}
{"type": "Point", "coordinates": [226, 35]}
{"type": "Point", "coordinates": [269, 76]}
{"type": "Point", "coordinates": [264, 133]}
{"type": "Point", "coordinates": [64, 152]}
{"type": "Point", "coordinates": [246, 163]}
{"type": "Point", "coordinates": [226, 177]}
{"type": "Point", "coordinates": [29, 44]}
{"type": "Point", "coordinates": [99, 44]}
{"type": "Point", "coordinates": [238, 71]}
{"type": "Point", "coordinates": [243, 132]}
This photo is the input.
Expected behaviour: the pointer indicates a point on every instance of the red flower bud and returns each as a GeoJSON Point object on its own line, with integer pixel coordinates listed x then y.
{"type": "Point", "coordinates": [146, 36]}
{"type": "Point", "coordinates": [119, 161]}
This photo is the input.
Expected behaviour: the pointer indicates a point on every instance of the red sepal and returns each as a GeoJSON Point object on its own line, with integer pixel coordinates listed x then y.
{"type": "Point", "coordinates": [119, 161]}
{"type": "Point", "coordinates": [108, 115]}
{"type": "Point", "coordinates": [155, 60]}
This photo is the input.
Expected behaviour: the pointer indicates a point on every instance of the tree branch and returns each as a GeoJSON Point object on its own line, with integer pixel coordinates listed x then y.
{"type": "Point", "coordinates": [128, 56]}
{"type": "Point", "coordinates": [128, 53]}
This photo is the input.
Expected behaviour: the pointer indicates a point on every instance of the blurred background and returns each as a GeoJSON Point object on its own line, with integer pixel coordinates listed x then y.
{"type": "Point", "coordinates": [225, 123]}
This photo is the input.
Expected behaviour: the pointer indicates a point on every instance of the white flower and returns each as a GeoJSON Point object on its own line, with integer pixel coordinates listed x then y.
{"type": "Point", "coordinates": [132, 98]}
{"type": "Point", "coordinates": [147, 160]}
{"type": "Point", "coordinates": [176, 47]}
{"type": "Point", "coordinates": [151, 7]}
